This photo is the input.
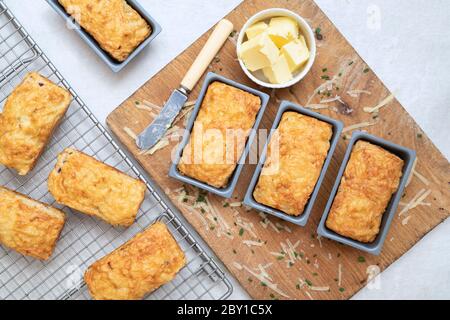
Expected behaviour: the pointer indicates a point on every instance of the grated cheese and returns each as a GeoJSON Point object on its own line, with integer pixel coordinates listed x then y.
{"type": "Point", "coordinates": [237, 266]}
{"type": "Point", "coordinates": [359, 126]}
{"type": "Point", "coordinates": [336, 98]}
{"type": "Point", "coordinates": [266, 281]}
{"type": "Point", "coordinates": [356, 93]}
{"type": "Point", "coordinates": [151, 105]}
{"type": "Point", "coordinates": [415, 201]}
{"type": "Point", "coordinates": [190, 103]}
{"type": "Point", "coordinates": [309, 295]}
{"type": "Point", "coordinates": [380, 105]}
{"type": "Point", "coordinates": [274, 227]}
{"type": "Point", "coordinates": [421, 178]}
{"type": "Point", "coordinates": [250, 243]}
{"type": "Point", "coordinates": [319, 106]}
{"type": "Point", "coordinates": [406, 220]}
{"type": "Point", "coordinates": [236, 204]}
{"type": "Point", "coordinates": [130, 132]}
{"type": "Point", "coordinates": [144, 107]}
{"type": "Point", "coordinates": [340, 274]}
{"type": "Point", "coordinates": [277, 254]}
{"type": "Point", "coordinates": [161, 144]}
{"type": "Point", "coordinates": [319, 238]}
{"type": "Point", "coordinates": [320, 288]}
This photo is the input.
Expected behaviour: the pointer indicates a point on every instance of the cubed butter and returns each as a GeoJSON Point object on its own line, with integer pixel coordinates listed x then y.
{"type": "Point", "coordinates": [296, 53]}
{"type": "Point", "coordinates": [256, 29]}
{"type": "Point", "coordinates": [283, 30]}
{"type": "Point", "coordinates": [259, 52]}
{"type": "Point", "coordinates": [278, 72]}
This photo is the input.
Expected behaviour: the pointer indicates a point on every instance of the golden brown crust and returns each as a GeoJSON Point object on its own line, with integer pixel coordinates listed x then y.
{"type": "Point", "coordinates": [226, 111]}
{"type": "Point", "coordinates": [371, 177]}
{"type": "Point", "coordinates": [31, 113]}
{"type": "Point", "coordinates": [290, 175]}
{"type": "Point", "coordinates": [140, 266]}
{"type": "Point", "coordinates": [116, 26]}
{"type": "Point", "coordinates": [28, 226]}
{"type": "Point", "coordinates": [94, 188]}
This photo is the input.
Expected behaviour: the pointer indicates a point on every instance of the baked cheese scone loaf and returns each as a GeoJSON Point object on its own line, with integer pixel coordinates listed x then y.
{"type": "Point", "coordinates": [211, 155]}
{"type": "Point", "coordinates": [116, 26]}
{"type": "Point", "coordinates": [289, 175]}
{"type": "Point", "coordinates": [371, 177]}
{"type": "Point", "coordinates": [31, 113]}
{"type": "Point", "coordinates": [140, 266]}
{"type": "Point", "coordinates": [28, 226]}
{"type": "Point", "coordinates": [94, 188]}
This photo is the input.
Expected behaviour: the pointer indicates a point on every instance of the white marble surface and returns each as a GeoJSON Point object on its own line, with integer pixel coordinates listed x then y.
{"type": "Point", "coordinates": [406, 42]}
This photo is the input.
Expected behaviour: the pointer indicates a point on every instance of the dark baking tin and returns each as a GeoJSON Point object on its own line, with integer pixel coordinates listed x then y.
{"type": "Point", "coordinates": [408, 156]}
{"type": "Point", "coordinates": [302, 219]}
{"type": "Point", "coordinates": [115, 65]}
{"type": "Point", "coordinates": [228, 191]}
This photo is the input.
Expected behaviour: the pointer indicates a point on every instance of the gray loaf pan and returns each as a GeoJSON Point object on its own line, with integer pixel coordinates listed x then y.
{"type": "Point", "coordinates": [226, 192]}
{"type": "Point", "coordinates": [408, 156]}
{"type": "Point", "coordinates": [303, 217]}
{"type": "Point", "coordinates": [115, 65]}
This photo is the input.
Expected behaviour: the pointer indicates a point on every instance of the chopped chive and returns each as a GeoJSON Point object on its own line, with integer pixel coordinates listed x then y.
{"type": "Point", "coordinates": [318, 33]}
{"type": "Point", "coordinates": [308, 282]}
{"type": "Point", "coordinates": [350, 63]}
{"type": "Point", "coordinates": [263, 284]}
{"type": "Point", "coordinates": [361, 259]}
{"type": "Point", "coordinates": [366, 70]}
{"type": "Point", "coordinates": [324, 69]}
{"type": "Point", "coordinates": [341, 289]}
{"type": "Point", "coordinates": [226, 204]}
{"type": "Point", "coordinates": [241, 232]}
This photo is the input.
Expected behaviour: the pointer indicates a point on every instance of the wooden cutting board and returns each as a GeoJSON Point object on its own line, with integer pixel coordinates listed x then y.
{"type": "Point", "coordinates": [317, 262]}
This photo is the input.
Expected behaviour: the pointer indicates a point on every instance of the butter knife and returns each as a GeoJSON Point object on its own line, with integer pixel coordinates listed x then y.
{"type": "Point", "coordinates": [156, 130]}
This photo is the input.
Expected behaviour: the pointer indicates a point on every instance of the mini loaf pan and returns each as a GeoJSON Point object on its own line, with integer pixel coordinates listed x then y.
{"type": "Point", "coordinates": [226, 192]}
{"type": "Point", "coordinates": [115, 65]}
{"type": "Point", "coordinates": [407, 155]}
{"type": "Point", "coordinates": [302, 219]}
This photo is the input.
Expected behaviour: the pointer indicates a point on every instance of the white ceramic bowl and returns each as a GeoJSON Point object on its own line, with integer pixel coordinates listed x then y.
{"type": "Point", "coordinates": [305, 29]}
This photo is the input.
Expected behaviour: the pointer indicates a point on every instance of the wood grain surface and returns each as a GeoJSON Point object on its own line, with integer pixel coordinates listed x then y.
{"type": "Point", "coordinates": [320, 269]}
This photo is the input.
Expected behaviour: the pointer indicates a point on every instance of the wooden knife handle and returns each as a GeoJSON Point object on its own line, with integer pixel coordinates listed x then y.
{"type": "Point", "coordinates": [209, 51]}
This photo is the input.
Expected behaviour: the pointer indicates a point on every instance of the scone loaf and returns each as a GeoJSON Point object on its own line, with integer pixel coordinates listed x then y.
{"type": "Point", "coordinates": [94, 188]}
{"type": "Point", "coordinates": [295, 158]}
{"type": "Point", "coordinates": [224, 110]}
{"type": "Point", "coordinates": [28, 226]}
{"type": "Point", "coordinates": [371, 177]}
{"type": "Point", "coordinates": [140, 266]}
{"type": "Point", "coordinates": [116, 26]}
{"type": "Point", "coordinates": [31, 113]}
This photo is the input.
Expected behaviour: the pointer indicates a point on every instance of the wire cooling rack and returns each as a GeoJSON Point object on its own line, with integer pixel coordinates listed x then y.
{"type": "Point", "coordinates": [84, 239]}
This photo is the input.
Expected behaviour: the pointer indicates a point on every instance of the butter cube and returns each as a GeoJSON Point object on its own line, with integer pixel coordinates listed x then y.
{"type": "Point", "coordinates": [283, 30]}
{"type": "Point", "coordinates": [296, 53]}
{"type": "Point", "coordinates": [278, 72]}
{"type": "Point", "coordinates": [256, 29]}
{"type": "Point", "coordinates": [259, 52]}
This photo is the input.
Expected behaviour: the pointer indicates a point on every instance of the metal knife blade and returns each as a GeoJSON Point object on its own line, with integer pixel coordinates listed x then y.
{"type": "Point", "coordinates": [156, 130]}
